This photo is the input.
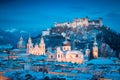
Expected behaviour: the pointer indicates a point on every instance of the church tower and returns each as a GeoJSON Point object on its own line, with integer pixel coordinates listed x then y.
{"type": "Point", "coordinates": [29, 45]}
{"type": "Point", "coordinates": [66, 46]}
{"type": "Point", "coordinates": [59, 54]}
{"type": "Point", "coordinates": [100, 22]}
{"type": "Point", "coordinates": [87, 52]}
{"type": "Point", "coordinates": [21, 43]}
{"type": "Point", "coordinates": [42, 46]}
{"type": "Point", "coordinates": [95, 49]}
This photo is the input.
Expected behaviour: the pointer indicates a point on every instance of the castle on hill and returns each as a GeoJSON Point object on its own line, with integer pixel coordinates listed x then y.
{"type": "Point", "coordinates": [61, 53]}
{"type": "Point", "coordinates": [80, 22]}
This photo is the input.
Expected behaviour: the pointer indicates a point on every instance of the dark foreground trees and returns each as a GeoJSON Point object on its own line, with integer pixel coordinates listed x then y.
{"type": "Point", "coordinates": [111, 38]}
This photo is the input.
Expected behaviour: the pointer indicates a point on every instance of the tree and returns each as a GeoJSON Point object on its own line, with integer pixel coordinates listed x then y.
{"type": "Point", "coordinates": [111, 38]}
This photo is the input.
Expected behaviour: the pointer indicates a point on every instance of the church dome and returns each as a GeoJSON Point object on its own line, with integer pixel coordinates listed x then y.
{"type": "Point", "coordinates": [66, 43]}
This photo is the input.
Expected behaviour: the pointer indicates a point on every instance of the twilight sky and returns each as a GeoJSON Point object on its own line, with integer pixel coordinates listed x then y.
{"type": "Point", "coordinates": [36, 15]}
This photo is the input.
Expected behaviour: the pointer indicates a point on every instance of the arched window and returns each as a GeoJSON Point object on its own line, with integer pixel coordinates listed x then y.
{"type": "Point", "coordinates": [58, 56]}
{"type": "Point", "coordinates": [76, 55]}
{"type": "Point", "coordinates": [61, 56]}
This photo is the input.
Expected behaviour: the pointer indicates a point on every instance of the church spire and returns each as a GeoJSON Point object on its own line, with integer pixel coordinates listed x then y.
{"type": "Point", "coordinates": [42, 40]}
{"type": "Point", "coordinates": [95, 42]}
{"type": "Point", "coordinates": [95, 49]}
{"type": "Point", "coordinates": [87, 50]}
{"type": "Point", "coordinates": [29, 45]}
{"type": "Point", "coordinates": [42, 45]}
{"type": "Point", "coordinates": [21, 38]}
{"type": "Point", "coordinates": [29, 39]}
{"type": "Point", "coordinates": [87, 46]}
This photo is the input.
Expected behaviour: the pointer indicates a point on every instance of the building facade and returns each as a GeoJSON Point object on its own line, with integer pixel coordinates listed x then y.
{"type": "Point", "coordinates": [80, 22]}
{"type": "Point", "coordinates": [37, 49]}
{"type": "Point", "coordinates": [65, 54]}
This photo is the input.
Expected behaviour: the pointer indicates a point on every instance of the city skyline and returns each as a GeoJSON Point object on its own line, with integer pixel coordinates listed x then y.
{"type": "Point", "coordinates": [59, 39]}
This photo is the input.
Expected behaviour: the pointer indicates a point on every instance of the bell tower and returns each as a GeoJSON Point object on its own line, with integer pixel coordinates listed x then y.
{"type": "Point", "coordinates": [66, 46]}
{"type": "Point", "coordinates": [95, 49]}
{"type": "Point", "coordinates": [87, 52]}
{"type": "Point", "coordinates": [29, 45]}
{"type": "Point", "coordinates": [42, 46]}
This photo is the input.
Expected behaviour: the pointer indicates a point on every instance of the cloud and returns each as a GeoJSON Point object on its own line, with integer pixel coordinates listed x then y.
{"type": "Point", "coordinates": [22, 31]}
{"type": "Point", "coordinates": [11, 30]}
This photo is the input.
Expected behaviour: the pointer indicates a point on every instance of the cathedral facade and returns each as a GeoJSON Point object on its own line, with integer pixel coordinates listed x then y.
{"type": "Point", "coordinates": [38, 49]}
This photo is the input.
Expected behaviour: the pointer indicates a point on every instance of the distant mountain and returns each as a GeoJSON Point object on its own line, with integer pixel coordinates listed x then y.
{"type": "Point", "coordinates": [11, 36]}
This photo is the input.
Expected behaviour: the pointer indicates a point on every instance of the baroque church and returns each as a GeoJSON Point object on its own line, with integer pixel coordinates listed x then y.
{"type": "Point", "coordinates": [61, 53]}
{"type": "Point", "coordinates": [65, 54]}
{"type": "Point", "coordinates": [37, 49]}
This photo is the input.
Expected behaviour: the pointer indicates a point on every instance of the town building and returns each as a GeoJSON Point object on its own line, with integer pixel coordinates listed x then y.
{"type": "Point", "coordinates": [46, 32]}
{"type": "Point", "coordinates": [65, 54]}
{"type": "Point", "coordinates": [21, 48]}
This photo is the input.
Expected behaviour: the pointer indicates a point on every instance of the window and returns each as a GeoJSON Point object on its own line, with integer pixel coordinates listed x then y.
{"type": "Point", "coordinates": [68, 48]}
{"type": "Point", "coordinates": [58, 56]}
{"type": "Point", "coordinates": [77, 55]}
{"type": "Point", "coordinates": [51, 56]}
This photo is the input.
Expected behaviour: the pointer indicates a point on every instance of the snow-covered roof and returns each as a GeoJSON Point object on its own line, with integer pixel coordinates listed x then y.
{"type": "Point", "coordinates": [18, 50]}
{"type": "Point", "coordinates": [100, 61]}
{"type": "Point", "coordinates": [23, 54]}
{"type": "Point", "coordinates": [75, 52]}
{"type": "Point", "coordinates": [112, 76]}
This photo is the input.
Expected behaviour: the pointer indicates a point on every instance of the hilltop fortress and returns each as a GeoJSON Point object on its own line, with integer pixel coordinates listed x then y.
{"type": "Point", "coordinates": [80, 22]}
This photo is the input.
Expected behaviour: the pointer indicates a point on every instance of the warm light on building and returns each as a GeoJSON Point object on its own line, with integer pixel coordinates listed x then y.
{"type": "Point", "coordinates": [37, 49]}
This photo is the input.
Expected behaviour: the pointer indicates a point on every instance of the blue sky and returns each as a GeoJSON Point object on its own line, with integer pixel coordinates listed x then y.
{"type": "Point", "coordinates": [36, 15]}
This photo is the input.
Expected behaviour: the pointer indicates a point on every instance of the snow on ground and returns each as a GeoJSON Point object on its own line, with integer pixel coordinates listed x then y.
{"type": "Point", "coordinates": [100, 61]}
{"type": "Point", "coordinates": [113, 76]}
